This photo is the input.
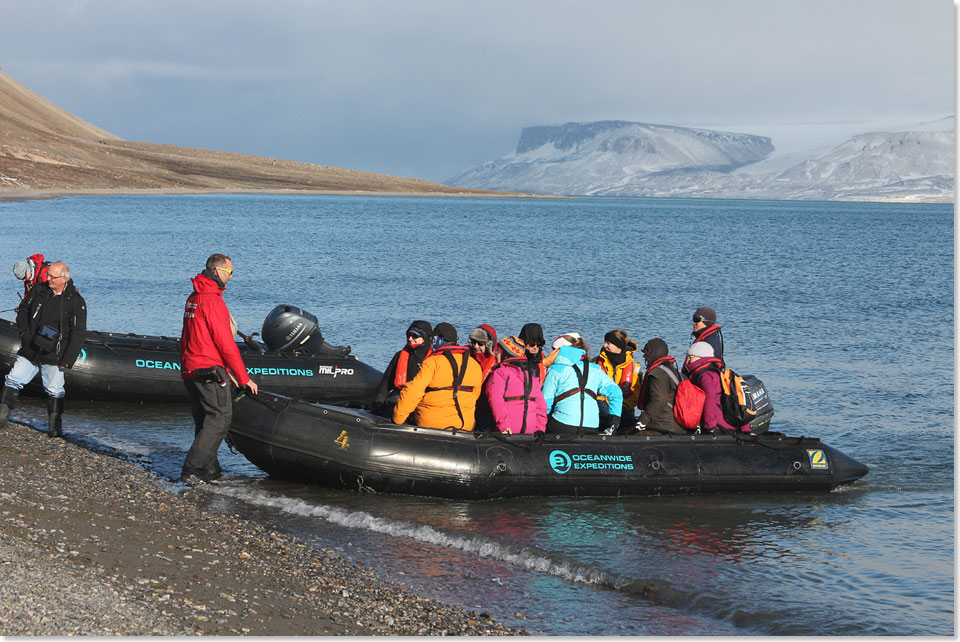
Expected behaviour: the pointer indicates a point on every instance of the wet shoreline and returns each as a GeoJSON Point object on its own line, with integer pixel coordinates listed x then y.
{"type": "Point", "coordinates": [94, 545]}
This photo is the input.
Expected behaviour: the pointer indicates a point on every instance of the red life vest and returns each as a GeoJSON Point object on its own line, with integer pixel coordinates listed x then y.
{"type": "Point", "coordinates": [403, 361]}
{"type": "Point", "coordinates": [707, 332]}
{"type": "Point", "coordinates": [656, 364]}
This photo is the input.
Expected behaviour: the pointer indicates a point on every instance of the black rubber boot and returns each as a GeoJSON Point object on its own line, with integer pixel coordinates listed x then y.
{"type": "Point", "coordinates": [8, 401]}
{"type": "Point", "coordinates": [55, 423]}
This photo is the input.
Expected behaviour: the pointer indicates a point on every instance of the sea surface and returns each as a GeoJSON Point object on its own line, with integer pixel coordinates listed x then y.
{"type": "Point", "coordinates": [844, 310]}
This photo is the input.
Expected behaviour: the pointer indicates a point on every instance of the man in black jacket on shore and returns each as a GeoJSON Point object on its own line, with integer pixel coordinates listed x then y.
{"type": "Point", "coordinates": [52, 321]}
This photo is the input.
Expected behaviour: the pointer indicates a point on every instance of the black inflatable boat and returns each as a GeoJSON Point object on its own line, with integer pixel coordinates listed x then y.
{"type": "Point", "coordinates": [354, 449]}
{"type": "Point", "coordinates": [293, 360]}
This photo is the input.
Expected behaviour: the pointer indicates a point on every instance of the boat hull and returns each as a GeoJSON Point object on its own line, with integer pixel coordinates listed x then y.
{"type": "Point", "coordinates": [354, 449]}
{"type": "Point", "coordinates": [128, 367]}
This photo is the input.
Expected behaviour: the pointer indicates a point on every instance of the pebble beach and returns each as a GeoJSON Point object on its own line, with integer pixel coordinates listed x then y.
{"type": "Point", "coordinates": [95, 545]}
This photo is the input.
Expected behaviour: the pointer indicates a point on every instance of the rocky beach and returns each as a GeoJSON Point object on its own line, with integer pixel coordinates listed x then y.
{"type": "Point", "coordinates": [95, 545]}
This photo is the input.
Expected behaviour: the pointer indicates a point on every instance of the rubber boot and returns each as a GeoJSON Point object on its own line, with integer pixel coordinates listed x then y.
{"type": "Point", "coordinates": [55, 423]}
{"type": "Point", "coordinates": [8, 401]}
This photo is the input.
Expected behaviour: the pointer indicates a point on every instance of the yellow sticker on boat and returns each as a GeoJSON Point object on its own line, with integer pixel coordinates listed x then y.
{"type": "Point", "coordinates": [818, 460]}
{"type": "Point", "coordinates": [343, 440]}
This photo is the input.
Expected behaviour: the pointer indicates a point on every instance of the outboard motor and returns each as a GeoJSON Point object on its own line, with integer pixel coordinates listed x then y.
{"type": "Point", "coordinates": [291, 329]}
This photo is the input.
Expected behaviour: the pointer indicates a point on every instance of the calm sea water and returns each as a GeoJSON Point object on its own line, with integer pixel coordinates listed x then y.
{"type": "Point", "coordinates": [846, 311]}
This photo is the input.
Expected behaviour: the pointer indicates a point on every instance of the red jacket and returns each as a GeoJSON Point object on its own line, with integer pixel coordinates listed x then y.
{"type": "Point", "coordinates": [207, 340]}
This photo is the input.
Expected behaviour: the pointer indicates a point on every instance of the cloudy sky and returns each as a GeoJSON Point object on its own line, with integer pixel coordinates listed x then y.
{"type": "Point", "coordinates": [425, 88]}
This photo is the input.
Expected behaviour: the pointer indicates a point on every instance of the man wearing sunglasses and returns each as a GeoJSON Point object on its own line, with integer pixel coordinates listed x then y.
{"type": "Point", "coordinates": [209, 362]}
{"type": "Point", "coordinates": [705, 328]}
{"type": "Point", "coordinates": [53, 324]}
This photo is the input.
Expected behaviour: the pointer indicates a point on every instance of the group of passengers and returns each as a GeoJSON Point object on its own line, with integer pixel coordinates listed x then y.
{"type": "Point", "coordinates": [511, 386]}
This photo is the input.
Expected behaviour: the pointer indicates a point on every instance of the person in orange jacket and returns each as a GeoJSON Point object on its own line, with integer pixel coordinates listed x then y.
{"type": "Point", "coordinates": [616, 359]}
{"type": "Point", "coordinates": [444, 393]}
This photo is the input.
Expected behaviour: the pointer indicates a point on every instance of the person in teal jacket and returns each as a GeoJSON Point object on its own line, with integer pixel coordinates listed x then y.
{"type": "Point", "coordinates": [570, 389]}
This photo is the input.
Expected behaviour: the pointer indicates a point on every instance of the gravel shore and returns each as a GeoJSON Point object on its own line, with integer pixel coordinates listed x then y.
{"type": "Point", "coordinates": [94, 545]}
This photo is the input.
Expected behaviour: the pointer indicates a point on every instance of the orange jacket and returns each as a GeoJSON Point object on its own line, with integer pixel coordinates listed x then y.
{"type": "Point", "coordinates": [627, 375]}
{"type": "Point", "coordinates": [430, 403]}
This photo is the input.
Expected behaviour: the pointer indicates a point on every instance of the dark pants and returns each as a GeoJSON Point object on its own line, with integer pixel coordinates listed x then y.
{"type": "Point", "coordinates": [212, 410]}
{"type": "Point", "coordinates": [558, 427]}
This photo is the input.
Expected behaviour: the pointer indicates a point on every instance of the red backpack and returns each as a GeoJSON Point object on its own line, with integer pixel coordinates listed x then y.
{"type": "Point", "coordinates": [688, 405]}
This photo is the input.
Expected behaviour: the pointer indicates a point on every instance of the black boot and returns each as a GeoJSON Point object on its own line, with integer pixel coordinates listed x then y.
{"type": "Point", "coordinates": [8, 401]}
{"type": "Point", "coordinates": [55, 423]}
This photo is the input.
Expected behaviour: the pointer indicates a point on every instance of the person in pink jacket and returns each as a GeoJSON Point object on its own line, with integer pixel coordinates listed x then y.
{"type": "Point", "coordinates": [516, 399]}
{"type": "Point", "coordinates": [703, 369]}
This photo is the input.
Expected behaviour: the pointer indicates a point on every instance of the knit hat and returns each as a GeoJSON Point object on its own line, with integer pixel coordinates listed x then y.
{"type": "Point", "coordinates": [532, 334]}
{"type": "Point", "coordinates": [700, 349]}
{"type": "Point", "coordinates": [421, 329]}
{"type": "Point", "coordinates": [22, 270]}
{"type": "Point", "coordinates": [563, 339]}
{"type": "Point", "coordinates": [446, 332]}
{"type": "Point", "coordinates": [709, 315]}
{"type": "Point", "coordinates": [486, 335]}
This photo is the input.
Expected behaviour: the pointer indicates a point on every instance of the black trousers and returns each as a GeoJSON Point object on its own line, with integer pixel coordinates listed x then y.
{"type": "Point", "coordinates": [212, 411]}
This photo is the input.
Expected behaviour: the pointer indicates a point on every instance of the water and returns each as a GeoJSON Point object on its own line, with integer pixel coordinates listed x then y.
{"type": "Point", "coordinates": [844, 310]}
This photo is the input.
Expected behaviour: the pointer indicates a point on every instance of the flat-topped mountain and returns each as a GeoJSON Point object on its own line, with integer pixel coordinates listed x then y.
{"type": "Point", "coordinates": [44, 147]}
{"type": "Point", "coordinates": [617, 158]}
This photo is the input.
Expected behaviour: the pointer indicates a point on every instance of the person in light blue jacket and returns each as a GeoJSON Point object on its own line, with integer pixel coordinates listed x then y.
{"type": "Point", "coordinates": [570, 389]}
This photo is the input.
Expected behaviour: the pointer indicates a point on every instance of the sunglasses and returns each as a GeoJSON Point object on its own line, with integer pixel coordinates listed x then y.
{"type": "Point", "coordinates": [697, 319]}
{"type": "Point", "coordinates": [477, 343]}
{"type": "Point", "coordinates": [230, 271]}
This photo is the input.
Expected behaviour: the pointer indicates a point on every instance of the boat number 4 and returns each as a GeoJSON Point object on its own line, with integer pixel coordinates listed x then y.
{"type": "Point", "coordinates": [343, 440]}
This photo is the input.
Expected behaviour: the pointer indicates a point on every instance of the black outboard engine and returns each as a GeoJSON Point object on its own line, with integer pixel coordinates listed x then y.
{"type": "Point", "coordinates": [291, 329]}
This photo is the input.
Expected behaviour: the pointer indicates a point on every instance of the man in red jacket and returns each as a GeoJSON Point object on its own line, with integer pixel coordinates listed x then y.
{"type": "Point", "coordinates": [209, 362]}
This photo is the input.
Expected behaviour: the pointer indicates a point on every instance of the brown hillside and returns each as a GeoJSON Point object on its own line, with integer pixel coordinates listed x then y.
{"type": "Point", "coordinates": [44, 147]}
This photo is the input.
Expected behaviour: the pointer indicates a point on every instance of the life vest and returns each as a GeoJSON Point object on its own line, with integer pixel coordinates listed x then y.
{"type": "Point", "coordinates": [582, 377]}
{"type": "Point", "coordinates": [708, 332]}
{"type": "Point", "coordinates": [448, 351]}
{"type": "Point", "coordinates": [623, 374]}
{"type": "Point", "coordinates": [661, 362]}
{"type": "Point", "coordinates": [403, 362]}
{"type": "Point", "coordinates": [523, 366]}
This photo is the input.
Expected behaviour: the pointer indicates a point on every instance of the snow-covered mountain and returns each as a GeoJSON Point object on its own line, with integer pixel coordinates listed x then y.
{"type": "Point", "coordinates": [609, 156]}
{"type": "Point", "coordinates": [635, 159]}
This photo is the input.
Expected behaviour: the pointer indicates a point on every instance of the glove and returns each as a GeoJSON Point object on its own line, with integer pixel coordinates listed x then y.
{"type": "Point", "coordinates": [613, 425]}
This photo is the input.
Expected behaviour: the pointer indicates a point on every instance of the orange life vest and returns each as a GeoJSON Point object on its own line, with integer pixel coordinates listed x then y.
{"type": "Point", "coordinates": [403, 361]}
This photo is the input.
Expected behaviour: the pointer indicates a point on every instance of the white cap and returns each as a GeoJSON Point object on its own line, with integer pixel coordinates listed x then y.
{"type": "Point", "coordinates": [700, 349]}
{"type": "Point", "coordinates": [562, 339]}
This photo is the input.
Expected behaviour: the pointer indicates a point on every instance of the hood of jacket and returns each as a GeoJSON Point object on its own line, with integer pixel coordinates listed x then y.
{"type": "Point", "coordinates": [654, 349]}
{"type": "Point", "coordinates": [203, 284]}
{"type": "Point", "coordinates": [568, 355]}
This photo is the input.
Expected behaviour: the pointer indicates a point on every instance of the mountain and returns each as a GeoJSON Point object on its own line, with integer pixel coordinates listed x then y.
{"type": "Point", "coordinates": [616, 158]}
{"type": "Point", "coordinates": [610, 157]}
{"type": "Point", "coordinates": [44, 147]}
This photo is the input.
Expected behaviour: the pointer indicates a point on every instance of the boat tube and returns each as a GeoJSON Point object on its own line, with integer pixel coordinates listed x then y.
{"type": "Point", "coordinates": [294, 360]}
{"type": "Point", "coordinates": [355, 449]}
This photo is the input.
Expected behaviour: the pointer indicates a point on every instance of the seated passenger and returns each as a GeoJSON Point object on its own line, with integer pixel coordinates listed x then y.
{"type": "Point", "coordinates": [529, 343]}
{"type": "Point", "coordinates": [616, 359]}
{"type": "Point", "coordinates": [570, 392]}
{"type": "Point", "coordinates": [484, 348]}
{"type": "Point", "coordinates": [403, 367]}
{"type": "Point", "coordinates": [658, 390]}
{"type": "Point", "coordinates": [703, 369]}
{"type": "Point", "coordinates": [516, 397]}
{"type": "Point", "coordinates": [566, 339]}
{"type": "Point", "coordinates": [444, 393]}
{"type": "Point", "coordinates": [705, 328]}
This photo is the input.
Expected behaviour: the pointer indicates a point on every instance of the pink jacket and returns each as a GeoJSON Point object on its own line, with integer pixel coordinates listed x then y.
{"type": "Point", "coordinates": [709, 381]}
{"type": "Point", "coordinates": [505, 392]}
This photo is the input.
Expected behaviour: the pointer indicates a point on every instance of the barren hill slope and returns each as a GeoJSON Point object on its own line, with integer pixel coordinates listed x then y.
{"type": "Point", "coordinates": [44, 147]}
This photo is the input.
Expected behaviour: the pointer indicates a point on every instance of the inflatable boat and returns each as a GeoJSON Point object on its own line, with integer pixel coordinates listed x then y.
{"type": "Point", "coordinates": [354, 449]}
{"type": "Point", "coordinates": [293, 359]}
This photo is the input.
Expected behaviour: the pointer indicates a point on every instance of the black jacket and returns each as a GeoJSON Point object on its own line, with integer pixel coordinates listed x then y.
{"type": "Point", "coordinates": [66, 313]}
{"type": "Point", "coordinates": [715, 339]}
{"type": "Point", "coordinates": [414, 361]}
{"type": "Point", "coordinates": [659, 390]}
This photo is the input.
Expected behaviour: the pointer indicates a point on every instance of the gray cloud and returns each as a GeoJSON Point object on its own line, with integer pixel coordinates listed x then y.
{"type": "Point", "coordinates": [424, 88]}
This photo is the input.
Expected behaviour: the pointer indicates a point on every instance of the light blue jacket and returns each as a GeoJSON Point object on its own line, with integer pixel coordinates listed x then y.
{"type": "Point", "coordinates": [561, 377]}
